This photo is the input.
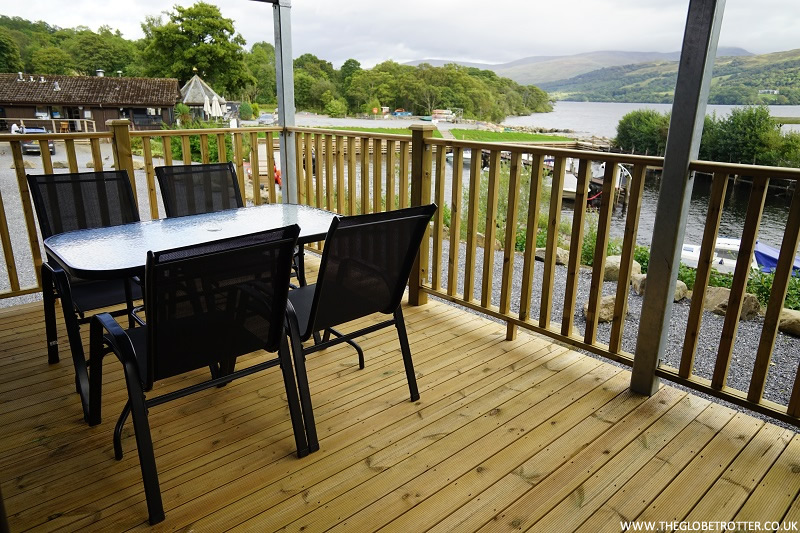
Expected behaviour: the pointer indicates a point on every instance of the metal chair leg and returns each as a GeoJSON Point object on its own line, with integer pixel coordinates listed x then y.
{"type": "Point", "coordinates": [49, 303]}
{"type": "Point", "coordinates": [118, 430]}
{"type": "Point", "coordinates": [302, 386]}
{"type": "Point", "coordinates": [400, 324]}
{"type": "Point", "coordinates": [295, 411]}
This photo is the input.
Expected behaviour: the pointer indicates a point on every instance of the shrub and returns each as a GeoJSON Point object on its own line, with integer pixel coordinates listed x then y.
{"type": "Point", "coordinates": [613, 247]}
{"type": "Point", "coordinates": [245, 111]}
{"type": "Point", "coordinates": [641, 254]}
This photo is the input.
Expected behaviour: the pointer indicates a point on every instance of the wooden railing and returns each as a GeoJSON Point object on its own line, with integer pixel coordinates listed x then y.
{"type": "Point", "coordinates": [355, 172]}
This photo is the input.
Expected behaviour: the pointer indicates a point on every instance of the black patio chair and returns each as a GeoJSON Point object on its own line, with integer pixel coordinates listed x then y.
{"type": "Point", "coordinates": [67, 202]}
{"type": "Point", "coordinates": [365, 266]}
{"type": "Point", "coordinates": [205, 305]}
{"type": "Point", "coordinates": [196, 189]}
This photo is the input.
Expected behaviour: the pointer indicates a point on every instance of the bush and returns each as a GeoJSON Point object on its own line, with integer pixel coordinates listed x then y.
{"type": "Point", "coordinates": [641, 254]}
{"type": "Point", "coordinates": [245, 111]}
{"type": "Point", "coordinates": [613, 247]}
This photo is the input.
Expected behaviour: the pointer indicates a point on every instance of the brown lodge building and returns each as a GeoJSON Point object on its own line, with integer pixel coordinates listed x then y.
{"type": "Point", "coordinates": [81, 103]}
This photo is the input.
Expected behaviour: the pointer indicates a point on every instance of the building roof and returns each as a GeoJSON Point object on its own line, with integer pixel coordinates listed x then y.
{"type": "Point", "coordinates": [88, 90]}
{"type": "Point", "coordinates": [195, 91]}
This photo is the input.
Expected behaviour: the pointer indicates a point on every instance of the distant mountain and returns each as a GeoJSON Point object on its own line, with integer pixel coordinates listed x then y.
{"type": "Point", "coordinates": [535, 70]}
{"type": "Point", "coordinates": [753, 79]}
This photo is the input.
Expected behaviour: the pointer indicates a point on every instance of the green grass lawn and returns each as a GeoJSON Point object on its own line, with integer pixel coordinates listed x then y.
{"type": "Point", "coordinates": [504, 136]}
{"type": "Point", "coordinates": [386, 131]}
{"type": "Point", "coordinates": [787, 120]}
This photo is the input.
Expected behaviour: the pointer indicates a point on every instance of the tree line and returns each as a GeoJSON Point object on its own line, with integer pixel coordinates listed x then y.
{"type": "Point", "coordinates": [748, 135]}
{"type": "Point", "coordinates": [198, 39]}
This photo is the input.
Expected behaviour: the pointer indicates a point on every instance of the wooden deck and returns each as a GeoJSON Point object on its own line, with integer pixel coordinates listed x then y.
{"type": "Point", "coordinates": [507, 436]}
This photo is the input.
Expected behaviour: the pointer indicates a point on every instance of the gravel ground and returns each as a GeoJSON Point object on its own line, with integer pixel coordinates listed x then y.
{"type": "Point", "coordinates": [785, 357]}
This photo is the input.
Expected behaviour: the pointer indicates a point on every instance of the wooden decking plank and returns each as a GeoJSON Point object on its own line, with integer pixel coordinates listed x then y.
{"type": "Point", "coordinates": [551, 444]}
{"type": "Point", "coordinates": [779, 488]}
{"type": "Point", "coordinates": [347, 450]}
{"type": "Point", "coordinates": [678, 499]}
{"type": "Point", "coordinates": [281, 418]}
{"type": "Point", "coordinates": [455, 453]}
{"type": "Point", "coordinates": [635, 495]}
{"type": "Point", "coordinates": [135, 481]}
{"type": "Point", "coordinates": [592, 493]}
{"type": "Point", "coordinates": [726, 497]}
{"type": "Point", "coordinates": [553, 488]}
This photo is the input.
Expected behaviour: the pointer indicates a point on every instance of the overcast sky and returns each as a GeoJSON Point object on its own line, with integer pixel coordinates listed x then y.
{"type": "Point", "coordinates": [494, 31]}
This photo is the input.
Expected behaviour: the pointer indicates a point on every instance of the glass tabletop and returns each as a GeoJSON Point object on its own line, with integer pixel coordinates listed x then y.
{"type": "Point", "coordinates": [120, 251]}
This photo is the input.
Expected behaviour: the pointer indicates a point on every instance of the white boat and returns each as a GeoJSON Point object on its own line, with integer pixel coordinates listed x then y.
{"type": "Point", "coordinates": [726, 251]}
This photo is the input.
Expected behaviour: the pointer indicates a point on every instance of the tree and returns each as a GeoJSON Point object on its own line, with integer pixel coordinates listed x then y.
{"type": "Point", "coordinates": [105, 50]}
{"type": "Point", "coordinates": [10, 60]}
{"type": "Point", "coordinates": [245, 111]}
{"type": "Point", "coordinates": [643, 131]}
{"type": "Point", "coordinates": [51, 60]}
{"type": "Point", "coordinates": [196, 37]}
{"type": "Point", "coordinates": [183, 113]}
{"type": "Point", "coordinates": [261, 63]}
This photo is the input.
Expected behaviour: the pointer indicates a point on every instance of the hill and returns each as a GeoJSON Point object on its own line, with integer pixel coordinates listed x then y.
{"type": "Point", "coordinates": [536, 70]}
{"type": "Point", "coordinates": [756, 79]}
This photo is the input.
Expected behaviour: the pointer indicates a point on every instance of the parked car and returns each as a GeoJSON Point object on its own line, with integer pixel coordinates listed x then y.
{"type": "Point", "coordinates": [265, 119]}
{"type": "Point", "coordinates": [32, 147]}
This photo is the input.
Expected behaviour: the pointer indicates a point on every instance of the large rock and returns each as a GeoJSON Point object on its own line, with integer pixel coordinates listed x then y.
{"type": "Point", "coordinates": [750, 305]}
{"type": "Point", "coordinates": [562, 255]}
{"type": "Point", "coordinates": [715, 296]}
{"type": "Point", "coordinates": [138, 165]}
{"type": "Point", "coordinates": [25, 164]}
{"type": "Point", "coordinates": [790, 322]}
{"type": "Point", "coordinates": [60, 164]}
{"type": "Point", "coordinates": [605, 308]}
{"type": "Point", "coordinates": [612, 268]}
{"type": "Point", "coordinates": [639, 284]}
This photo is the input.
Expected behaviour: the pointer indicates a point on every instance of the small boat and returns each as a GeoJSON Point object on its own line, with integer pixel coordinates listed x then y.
{"type": "Point", "coordinates": [426, 118]}
{"type": "Point", "coordinates": [726, 251]}
{"type": "Point", "coordinates": [767, 258]}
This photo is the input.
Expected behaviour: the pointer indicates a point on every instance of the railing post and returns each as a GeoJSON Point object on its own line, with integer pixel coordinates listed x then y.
{"type": "Point", "coordinates": [121, 147]}
{"type": "Point", "coordinates": [420, 195]}
{"type": "Point", "coordinates": [683, 143]}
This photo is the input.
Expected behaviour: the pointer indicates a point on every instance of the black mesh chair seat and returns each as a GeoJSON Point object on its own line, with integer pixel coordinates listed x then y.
{"type": "Point", "coordinates": [365, 266]}
{"type": "Point", "coordinates": [205, 305]}
{"type": "Point", "coordinates": [67, 202]}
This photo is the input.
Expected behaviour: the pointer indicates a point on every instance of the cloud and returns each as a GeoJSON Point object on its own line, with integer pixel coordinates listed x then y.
{"type": "Point", "coordinates": [469, 30]}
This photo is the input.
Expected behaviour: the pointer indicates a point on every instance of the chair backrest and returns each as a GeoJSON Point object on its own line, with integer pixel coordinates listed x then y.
{"type": "Point", "coordinates": [365, 264]}
{"type": "Point", "coordinates": [211, 302]}
{"type": "Point", "coordinates": [67, 202]}
{"type": "Point", "coordinates": [195, 189]}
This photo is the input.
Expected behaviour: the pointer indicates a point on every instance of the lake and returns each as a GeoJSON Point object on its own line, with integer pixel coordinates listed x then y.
{"type": "Point", "coordinates": [600, 119]}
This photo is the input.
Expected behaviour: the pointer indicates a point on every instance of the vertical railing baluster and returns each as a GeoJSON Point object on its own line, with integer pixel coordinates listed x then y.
{"type": "Point", "coordinates": [204, 157]}
{"type": "Point", "coordinates": [318, 166]}
{"type": "Point", "coordinates": [166, 145]}
{"type": "Point", "coordinates": [72, 158]}
{"type": "Point", "coordinates": [421, 163]}
{"type": "Point", "coordinates": [491, 229]}
{"type": "Point", "coordinates": [351, 176]}
{"type": "Point", "coordinates": [255, 170]}
{"type": "Point", "coordinates": [47, 161]}
{"type": "Point", "coordinates": [377, 193]}
{"type": "Point", "coordinates": [150, 177]}
{"type": "Point", "coordinates": [27, 210]}
{"type": "Point", "coordinates": [719, 186]}
{"type": "Point", "coordinates": [364, 147]}
{"type": "Point", "coordinates": [299, 172]}
{"type": "Point", "coordinates": [752, 220]}
{"type": "Point", "coordinates": [97, 156]}
{"type": "Point", "coordinates": [222, 150]}
{"type": "Point", "coordinates": [554, 220]}
{"type": "Point", "coordinates": [238, 155]}
{"type": "Point", "coordinates": [309, 162]}
{"type": "Point", "coordinates": [531, 230]}
{"type": "Point", "coordinates": [455, 221]}
{"type": "Point", "coordinates": [600, 251]}
{"type": "Point", "coordinates": [8, 252]}
{"type": "Point", "coordinates": [271, 169]}
{"type": "Point", "coordinates": [438, 220]}
{"type": "Point", "coordinates": [472, 224]}
{"type": "Point", "coordinates": [404, 174]}
{"type": "Point", "coordinates": [576, 246]}
{"type": "Point", "coordinates": [329, 172]}
{"type": "Point", "coordinates": [634, 192]}
{"type": "Point", "coordinates": [509, 244]}
{"type": "Point", "coordinates": [186, 149]}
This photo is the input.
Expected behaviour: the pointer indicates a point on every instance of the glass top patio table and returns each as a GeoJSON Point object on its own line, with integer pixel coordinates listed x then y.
{"type": "Point", "coordinates": [121, 251]}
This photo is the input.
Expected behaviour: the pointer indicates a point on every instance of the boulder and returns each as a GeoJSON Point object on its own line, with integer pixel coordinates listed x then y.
{"type": "Point", "coordinates": [605, 308]}
{"type": "Point", "coordinates": [481, 238]}
{"type": "Point", "coordinates": [138, 165]}
{"type": "Point", "coordinates": [90, 164]}
{"type": "Point", "coordinates": [638, 282]}
{"type": "Point", "coordinates": [25, 164]}
{"type": "Point", "coordinates": [562, 255]}
{"type": "Point", "coordinates": [612, 268]}
{"type": "Point", "coordinates": [717, 302]}
{"type": "Point", "coordinates": [789, 322]}
{"type": "Point", "coordinates": [60, 164]}
{"type": "Point", "coordinates": [681, 291]}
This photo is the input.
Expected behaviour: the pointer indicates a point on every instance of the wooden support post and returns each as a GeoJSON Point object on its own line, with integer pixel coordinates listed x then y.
{"type": "Point", "coordinates": [121, 147]}
{"type": "Point", "coordinates": [420, 195]}
{"type": "Point", "coordinates": [683, 144]}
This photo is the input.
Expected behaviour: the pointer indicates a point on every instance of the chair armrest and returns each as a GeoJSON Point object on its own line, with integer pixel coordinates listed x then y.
{"type": "Point", "coordinates": [115, 336]}
{"type": "Point", "coordinates": [139, 320]}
